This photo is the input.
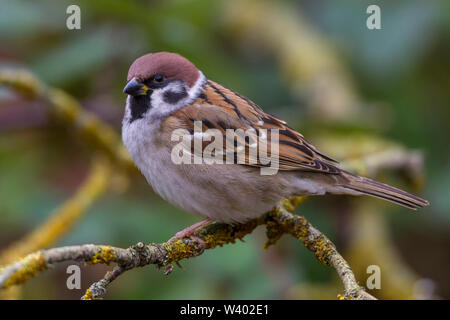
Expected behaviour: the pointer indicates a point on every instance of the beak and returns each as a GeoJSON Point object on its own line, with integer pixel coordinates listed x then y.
{"type": "Point", "coordinates": [135, 88]}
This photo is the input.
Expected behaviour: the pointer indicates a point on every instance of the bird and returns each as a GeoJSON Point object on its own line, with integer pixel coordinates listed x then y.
{"type": "Point", "coordinates": [167, 93]}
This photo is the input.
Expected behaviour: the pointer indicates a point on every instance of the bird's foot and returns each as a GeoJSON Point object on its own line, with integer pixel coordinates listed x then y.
{"type": "Point", "coordinates": [189, 233]}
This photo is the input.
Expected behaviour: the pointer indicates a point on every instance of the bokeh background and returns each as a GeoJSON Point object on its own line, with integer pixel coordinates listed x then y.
{"type": "Point", "coordinates": [349, 90]}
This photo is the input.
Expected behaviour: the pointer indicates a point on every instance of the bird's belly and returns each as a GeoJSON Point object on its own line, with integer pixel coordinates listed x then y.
{"type": "Point", "coordinates": [205, 190]}
{"type": "Point", "coordinates": [227, 193]}
{"type": "Point", "coordinates": [211, 195]}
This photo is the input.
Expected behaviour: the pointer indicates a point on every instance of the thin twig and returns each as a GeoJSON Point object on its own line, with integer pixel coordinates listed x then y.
{"type": "Point", "coordinates": [68, 110]}
{"type": "Point", "coordinates": [64, 217]}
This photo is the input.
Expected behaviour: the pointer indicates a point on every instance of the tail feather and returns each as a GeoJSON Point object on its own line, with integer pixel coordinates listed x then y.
{"type": "Point", "coordinates": [383, 191]}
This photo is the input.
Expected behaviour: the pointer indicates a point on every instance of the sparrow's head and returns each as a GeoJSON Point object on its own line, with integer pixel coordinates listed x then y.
{"type": "Point", "coordinates": [159, 83]}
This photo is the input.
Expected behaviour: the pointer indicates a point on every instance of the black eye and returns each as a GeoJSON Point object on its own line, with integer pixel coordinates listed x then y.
{"type": "Point", "coordinates": [158, 78]}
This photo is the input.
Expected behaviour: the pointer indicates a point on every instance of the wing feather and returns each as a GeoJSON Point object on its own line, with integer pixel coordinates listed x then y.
{"type": "Point", "coordinates": [221, 109]}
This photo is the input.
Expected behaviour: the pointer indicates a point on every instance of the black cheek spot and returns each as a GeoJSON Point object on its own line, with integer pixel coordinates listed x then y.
{"type": "Point", "coordinates": [173, 97]}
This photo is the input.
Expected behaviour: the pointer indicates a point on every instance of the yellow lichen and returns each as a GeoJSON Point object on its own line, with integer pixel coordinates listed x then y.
{"type": "Point", "coordinates": [30, 266]}
{"type": "Point", "coordinates": [88, 295]}
{"type": "Point", "coordinates": [64, 217]}
{"type": "Point", "coordinates": [274, 231]}
{"type": "Point", "coordinates": [179, 250]}
{"type": "Point", "coordinates": [105, 255]}
{"type": "Point", "coordinates": [22, 81]}
{"type": "Point", "coordinates": [292, 203]}
{"type": "Point", "coordinates": [322, 250]}
{"type": "Point", "coordinates": [213, 235]}
{"type": "Point", "coordinates": [213, 241]}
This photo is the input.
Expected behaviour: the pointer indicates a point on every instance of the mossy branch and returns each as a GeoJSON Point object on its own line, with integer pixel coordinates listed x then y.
{"type": "Point", "coordinates": [306, 59]}
{"type": "Point", "coordinates": [66, 109]}
{"type": "Point", "coordinates": [278, 222]}
{"type": "Point", "coordinates": [108, 151]}
{"type": "Point", "coordinates": [64, 217]}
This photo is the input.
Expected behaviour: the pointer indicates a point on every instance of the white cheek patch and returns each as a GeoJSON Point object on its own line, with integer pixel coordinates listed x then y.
{"type": "Point", "coordinates": [195, 91]}
{"type": "Point", "coordinates": [174, 96]}
{"type": "Point", "coordinates": [170, 95]}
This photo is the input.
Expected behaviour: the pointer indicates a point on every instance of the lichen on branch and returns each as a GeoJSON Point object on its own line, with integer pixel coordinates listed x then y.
{"type": "Point", "coordinates": [278, 222]}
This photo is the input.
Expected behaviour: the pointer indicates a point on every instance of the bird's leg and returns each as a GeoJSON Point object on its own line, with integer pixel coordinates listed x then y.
{"type": "Point", "coordinates": [189, 232]}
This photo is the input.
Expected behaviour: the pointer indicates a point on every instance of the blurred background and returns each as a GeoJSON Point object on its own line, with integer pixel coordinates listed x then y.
{"type": "Point", "coordinates": [377, 100]}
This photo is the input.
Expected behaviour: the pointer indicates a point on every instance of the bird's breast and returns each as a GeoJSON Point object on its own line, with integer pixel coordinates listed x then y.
{"type": "Point", "coordinates": [227, 193]}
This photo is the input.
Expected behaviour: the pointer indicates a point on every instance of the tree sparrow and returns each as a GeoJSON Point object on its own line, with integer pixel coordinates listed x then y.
{"type": "Point", "coordinates": [167, 93]}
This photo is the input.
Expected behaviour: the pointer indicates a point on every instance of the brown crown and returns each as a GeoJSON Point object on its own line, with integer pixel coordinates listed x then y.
{"type": "Point", "coordinates": [171, 65]}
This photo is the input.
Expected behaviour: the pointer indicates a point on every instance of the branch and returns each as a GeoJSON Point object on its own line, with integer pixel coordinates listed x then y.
{"type": "Point", "coordinates": [67, 109]}
{"type": "Point", "coordinates": [278, 222]}
{"type": "Point", "coordinates": [63, 217]}
{"type": "Point", "coordinates": [61, 221]}
{"type": "Point", "coordinates": [306, 59]}
{"type": "Point", "coordinates": [315, 241]}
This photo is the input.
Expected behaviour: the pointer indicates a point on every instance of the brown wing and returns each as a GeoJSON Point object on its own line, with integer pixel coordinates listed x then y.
{"type": "Point", "coordinates": [220, 108]}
